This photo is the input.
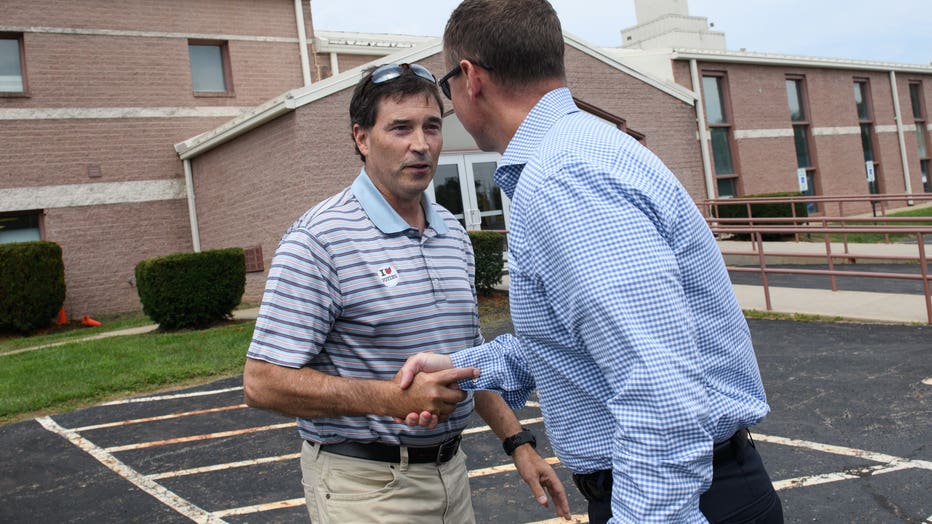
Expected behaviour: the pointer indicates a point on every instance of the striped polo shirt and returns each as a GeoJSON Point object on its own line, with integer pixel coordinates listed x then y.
{"type": "Point", "coordinates": [353, 291]}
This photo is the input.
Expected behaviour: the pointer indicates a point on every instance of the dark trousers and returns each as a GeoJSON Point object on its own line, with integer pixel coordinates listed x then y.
{"type": "Point", "coordinates": [741, 490]}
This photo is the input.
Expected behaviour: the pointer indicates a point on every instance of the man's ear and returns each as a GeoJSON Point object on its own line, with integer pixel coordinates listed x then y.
{"type": "Point", "coordinates": [361, 136]}
{"type": "Point", "coordinates": [474, 81]}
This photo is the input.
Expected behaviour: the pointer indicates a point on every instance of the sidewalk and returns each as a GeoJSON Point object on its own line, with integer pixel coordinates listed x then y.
{"type": "Point", "coordinates": [847, 305]}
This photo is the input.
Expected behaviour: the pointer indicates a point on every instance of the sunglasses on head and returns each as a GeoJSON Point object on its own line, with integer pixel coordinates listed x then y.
{"type": "Point", "coordinates": [444, 81]}
{"type": "Point", "coordinates": [389, 72]}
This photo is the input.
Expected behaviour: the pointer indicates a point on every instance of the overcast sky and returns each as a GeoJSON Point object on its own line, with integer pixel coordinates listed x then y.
{"type": "Point", "coordinates": [886, 31]}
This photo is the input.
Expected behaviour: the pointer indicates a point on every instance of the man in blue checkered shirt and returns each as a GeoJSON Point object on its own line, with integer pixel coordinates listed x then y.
{"type": "Point", "coordinates": [625, 319]}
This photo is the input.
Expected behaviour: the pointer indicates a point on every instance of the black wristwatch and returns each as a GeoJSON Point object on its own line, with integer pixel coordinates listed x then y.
{"type": "Point", "coordinates": [511, 443]}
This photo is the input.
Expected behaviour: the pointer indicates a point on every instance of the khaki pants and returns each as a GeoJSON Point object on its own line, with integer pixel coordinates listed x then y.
{"type": "Point", "coordinates": [341, 490]}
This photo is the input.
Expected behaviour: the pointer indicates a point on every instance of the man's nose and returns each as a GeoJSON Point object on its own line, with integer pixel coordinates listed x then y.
{"type": "Point", "coordinates": [419, 141]}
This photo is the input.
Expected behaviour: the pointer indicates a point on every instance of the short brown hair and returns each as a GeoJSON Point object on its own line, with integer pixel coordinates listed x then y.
{"type": "Point", "coordinates": [521, 41]}
{"type": "Point", "coordinates": [367, 96]}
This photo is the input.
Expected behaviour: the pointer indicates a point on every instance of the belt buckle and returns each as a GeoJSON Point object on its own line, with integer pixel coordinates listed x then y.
{"type": "Point", "coordinates": [447, 450]}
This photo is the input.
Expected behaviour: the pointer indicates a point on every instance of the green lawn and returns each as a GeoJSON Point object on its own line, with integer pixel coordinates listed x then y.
{"type": "Point", "coordinates": [872, 238]}
{"type": "Point", "coordinates": [82, 373]}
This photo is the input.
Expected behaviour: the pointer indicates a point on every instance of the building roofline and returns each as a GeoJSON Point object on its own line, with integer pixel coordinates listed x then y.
{"type": "Point", "coordinates": [301, 96]}
{"type": "Point", "coordinates": [346, 42]}
{"type": "Point", "coordinates": [742, 57]}
{"type": "Point", "coordinates": [674, 90]}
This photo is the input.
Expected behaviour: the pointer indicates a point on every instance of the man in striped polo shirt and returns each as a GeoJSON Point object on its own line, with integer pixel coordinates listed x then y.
{"type": "Point", "coordinates": [359, 283]}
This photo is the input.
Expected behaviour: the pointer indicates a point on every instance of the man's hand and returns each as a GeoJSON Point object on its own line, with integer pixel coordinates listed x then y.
{"type": "Point", "coordinates": [424, 362]}
{"type": "Point", "coordinates": [432, 395]}
{"type": "Point", "coordinates": [542, 479]}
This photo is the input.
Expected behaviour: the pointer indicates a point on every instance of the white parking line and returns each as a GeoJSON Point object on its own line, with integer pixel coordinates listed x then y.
{"type": "Point", "coordinates": [195, 438]}
{"type": "Point", "coordinates": [887, 463]}
{"type": "Point", "coordinates": [149, 486]}
{"type": "Point", "coordinates": [153, 419]}
{"type": "Point", "coordinates": [841, 450]}
{"type": "Point", "coordinates": [259, 508]}
{"type": "Point", "coordinates": [171, 397]}
{"type": "Point", "coordinates": [220, 467]}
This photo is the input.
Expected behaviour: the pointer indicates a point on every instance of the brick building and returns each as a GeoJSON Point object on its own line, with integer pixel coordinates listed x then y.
{"type": "Point", "coordinates": [778, 123]}
{"type": "Point", "coordinates": [135, 129]}
{"type": "Point", "coordinates": [94, 93]}
{"type": "Point", "coordinates": [301, 145]}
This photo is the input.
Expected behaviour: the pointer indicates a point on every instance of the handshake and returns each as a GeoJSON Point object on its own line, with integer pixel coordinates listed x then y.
{"type": "Point", "coordinates": [429, 392]}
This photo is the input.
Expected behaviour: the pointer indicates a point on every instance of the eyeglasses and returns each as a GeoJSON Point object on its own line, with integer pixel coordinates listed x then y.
{"type": "Point", "coordinates": [388, 72]}
{"type": "Point", "coordinates": [444, 82]}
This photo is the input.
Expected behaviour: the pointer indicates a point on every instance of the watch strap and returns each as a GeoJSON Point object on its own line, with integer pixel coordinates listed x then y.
{"type": "Point", "coordinates": [525, 436]}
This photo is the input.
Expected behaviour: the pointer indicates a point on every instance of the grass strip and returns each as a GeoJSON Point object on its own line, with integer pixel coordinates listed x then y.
{"type": "Point", "coordinates": [73, 375]}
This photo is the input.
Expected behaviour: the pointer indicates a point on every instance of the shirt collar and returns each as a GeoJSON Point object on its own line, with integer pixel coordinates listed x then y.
{"type": "Point", "coordinates": [522, 147]}
{"type": "Point", "coordinates": [383, 215]}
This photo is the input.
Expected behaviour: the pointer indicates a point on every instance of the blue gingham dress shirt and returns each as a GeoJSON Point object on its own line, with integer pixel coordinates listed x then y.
{"type": "Point", "coordinates": [625, 319]}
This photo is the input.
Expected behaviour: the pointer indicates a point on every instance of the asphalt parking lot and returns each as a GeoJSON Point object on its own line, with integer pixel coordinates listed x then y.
{"type": "Point", "coordinates": [848, 441]}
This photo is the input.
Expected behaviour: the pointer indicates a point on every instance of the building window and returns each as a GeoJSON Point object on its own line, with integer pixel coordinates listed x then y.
{"type": "Point", "coordinates": [802, 137]}
{"type": "Point", "coordinates": [12, 77]}
{"type": "Point", "coordinates": [862, 99]}
{"type": "Point", "coordinates": [19, 227]}
{"type": "Point", "coordinates": [922, 133]}
{"type": "Point", "coordinates": [210, 68]}
{"type": "Point", "coordinates": [719, 121]}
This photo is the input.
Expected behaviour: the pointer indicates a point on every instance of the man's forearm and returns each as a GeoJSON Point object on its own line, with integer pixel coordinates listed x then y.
{"type": "Point", "coordinates": [496, 413]}
{"type": "Point", "coordinates": [308, 393]}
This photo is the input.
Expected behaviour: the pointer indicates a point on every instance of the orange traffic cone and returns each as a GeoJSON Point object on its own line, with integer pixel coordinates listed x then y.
{"type": "Point", "coordinates": [62, 317]}
{"type": "Point", "coordinates": [89, 322]}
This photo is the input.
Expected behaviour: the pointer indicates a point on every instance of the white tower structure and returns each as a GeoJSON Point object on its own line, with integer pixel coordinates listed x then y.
{"type": "Point", "coordinates": [666, 24]}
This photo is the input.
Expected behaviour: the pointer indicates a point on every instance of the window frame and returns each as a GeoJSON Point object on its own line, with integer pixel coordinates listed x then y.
{"type": "Point", "coordinates": [802, 93]}
{"type": "Point", "coordinates": [919, 120]}
{"type": "Point", "coordinates": [24, 93]}
{"type": "Point", "coordinates": [38, 213]}
{"type": "Point", "coordinates": [727, 124]}
{"type": "Point", "coordinates": [878, 186]}
{"type": "Point", "coordinates": [225, 63]}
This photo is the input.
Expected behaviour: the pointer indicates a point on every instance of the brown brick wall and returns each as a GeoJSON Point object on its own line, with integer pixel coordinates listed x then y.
{"type": "Point", "coordinates": [118, 71]}
{"type": "Point", "coordinates": [103, 243]}
{"type": "Point", "coordinates": [251, 189]}
{"type": "Point", "coordinates": [758, 102]}
{"type": "Point", "coordinates": [101, 246]}
{"type": "Point", "coordinates": [669, 124]}
{"type": "Point", "coordinates": [235, 17]}
{"type": "Point", "coordinates": [58, 152]}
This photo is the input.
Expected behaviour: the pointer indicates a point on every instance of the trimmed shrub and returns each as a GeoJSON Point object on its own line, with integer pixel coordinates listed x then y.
{"type": "Point", "coordinates": [763, 210]}
{"type": "Point", "coordinates": [32, 284]}
{"type": "Point", "coordinates": [191, 290]}
{"type": "Point", "coordinates": [488, 247]}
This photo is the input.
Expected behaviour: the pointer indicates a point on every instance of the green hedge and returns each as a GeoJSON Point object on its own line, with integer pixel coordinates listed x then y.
{"type": "Point", "coordinates": [32, 284]}
{"type": "Point", "coordinates": [488, 247]}
{"type": "Point", "coordinates": [191, 290]}
{"type": "Point", "coordinates": [763, 210]}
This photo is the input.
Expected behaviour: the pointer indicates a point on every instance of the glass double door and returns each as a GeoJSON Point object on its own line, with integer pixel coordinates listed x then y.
{"type": "Point", "coordinates": [465, 185]}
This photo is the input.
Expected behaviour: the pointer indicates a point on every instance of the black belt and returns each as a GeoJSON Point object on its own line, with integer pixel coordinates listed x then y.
{"type": "Point", "coordinates": [596, 486]}
{"type": "Point", "coordinates": [391, 453]}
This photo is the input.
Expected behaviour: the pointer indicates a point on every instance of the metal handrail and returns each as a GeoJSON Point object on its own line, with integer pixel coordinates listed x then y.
{"type": "Point", "coordinates": [757, 232]}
